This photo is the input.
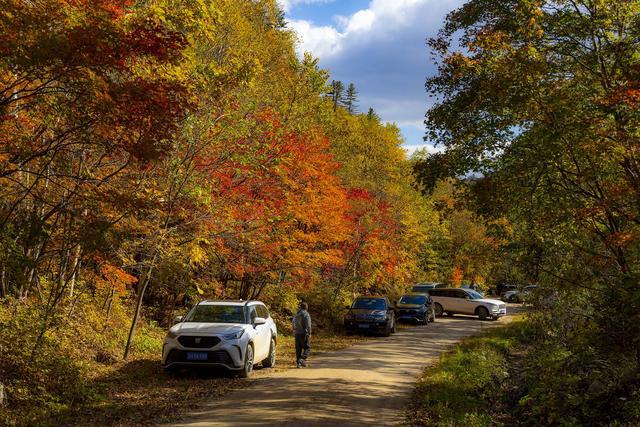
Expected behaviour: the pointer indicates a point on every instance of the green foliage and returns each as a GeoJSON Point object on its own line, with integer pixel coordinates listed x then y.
{"type": "Point", "coordinates": [37, 385]}
{"type": "Point", "coordinates": [541, 371]}
{"type": "Point", "coordinates": [541, 97]}
{"type": "Point", "coordinates": [569, 379]}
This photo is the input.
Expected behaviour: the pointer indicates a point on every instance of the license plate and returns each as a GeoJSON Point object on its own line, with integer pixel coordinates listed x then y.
{"type": "Point", "coordinates": [196, 355]}
{"type": "Point", "coordinates": [365, 326]}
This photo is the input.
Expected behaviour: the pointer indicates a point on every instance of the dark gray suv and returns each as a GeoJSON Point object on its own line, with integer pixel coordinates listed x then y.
{"type": "Point", "coordinates": [415, 308]}
{"type": "Point", "coordinates": [370, 314]}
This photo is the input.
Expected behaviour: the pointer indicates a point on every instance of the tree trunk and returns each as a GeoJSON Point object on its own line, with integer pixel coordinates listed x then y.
{"type": "Point", "coordinates": [75, 268]}
{"type": "Point", "coordinates": [3, 286]}
{"type": "Point", "coordinates": [136, 314]}
{"type": "Point", "coordinates": [106, 319]}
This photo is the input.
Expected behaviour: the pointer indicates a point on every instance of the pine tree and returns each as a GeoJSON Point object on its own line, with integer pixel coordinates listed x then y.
{"type": "Point", "coordinates": [372, 115]}
{"type": "Point", "coordinates": [337, 94]}
{"type": "Point", "coordinates": [351, 100]}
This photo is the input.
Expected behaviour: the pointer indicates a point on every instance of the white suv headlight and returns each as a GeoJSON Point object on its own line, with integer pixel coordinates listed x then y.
{"type": "Point", "coordinates": [233, 335]}
{"type": "Point", "coordinates": [495, 308]}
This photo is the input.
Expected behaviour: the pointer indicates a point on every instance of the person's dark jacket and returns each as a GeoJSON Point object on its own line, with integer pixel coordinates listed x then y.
{"type": "Point", "coordinates": [302, 323]}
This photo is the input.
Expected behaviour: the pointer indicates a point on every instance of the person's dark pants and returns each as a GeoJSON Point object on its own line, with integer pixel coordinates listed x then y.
{"type": "Point", "coordinates": [302, 346]}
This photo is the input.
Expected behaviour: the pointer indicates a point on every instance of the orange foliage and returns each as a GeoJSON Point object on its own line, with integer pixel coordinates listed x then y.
{"type": "Point", "coordinates": [456, 276]}
{"type": "Point", "coordinates": [278, 193]}
{"type": "Point", "coordinates": [110, 277]}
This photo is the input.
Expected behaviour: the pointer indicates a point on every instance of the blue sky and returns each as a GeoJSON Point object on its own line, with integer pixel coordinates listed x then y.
{"type": "Point", "coordinates": [379, 45]}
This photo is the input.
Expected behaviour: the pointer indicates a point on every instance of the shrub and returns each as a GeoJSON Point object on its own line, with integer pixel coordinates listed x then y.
{"type": "Point", "coordinates": [60, 374]}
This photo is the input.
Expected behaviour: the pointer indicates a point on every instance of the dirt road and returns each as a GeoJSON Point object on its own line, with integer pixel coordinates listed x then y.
{"type": "Point", "coordinates": [366, 384]}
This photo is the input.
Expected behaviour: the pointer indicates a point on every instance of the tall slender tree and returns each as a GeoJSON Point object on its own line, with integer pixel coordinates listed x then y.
{"type": "Point", "coordinates": [337, 94]}
{"type": "Point", "coordinates": [351, 99]}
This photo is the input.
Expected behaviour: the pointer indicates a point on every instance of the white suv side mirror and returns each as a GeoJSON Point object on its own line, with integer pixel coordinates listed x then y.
{"type": "Point", "coordinates": [259, 321]}
{"type": "Point", "coordinates": [178, 319]}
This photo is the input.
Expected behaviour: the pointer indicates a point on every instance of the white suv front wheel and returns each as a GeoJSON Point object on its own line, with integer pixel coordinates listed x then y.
{"type": "Point", "coordinates": [270, 361]}
{"type": "Point", "coordinates": [247, 367]}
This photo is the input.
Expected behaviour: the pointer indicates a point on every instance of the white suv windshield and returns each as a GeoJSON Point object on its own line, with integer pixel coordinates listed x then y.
{"type": "Point", "coordinates": [474, 294]}
{"type": "Point", "coordinates": [217, 314]}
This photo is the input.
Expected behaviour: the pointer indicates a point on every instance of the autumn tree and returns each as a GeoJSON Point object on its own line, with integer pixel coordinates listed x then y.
{"type": "Point", "coordinates": [76, 109]}
{"type": "Point", "coordinates": [372, 115]}
{"type": "Point", "coordinates": [464, 249]}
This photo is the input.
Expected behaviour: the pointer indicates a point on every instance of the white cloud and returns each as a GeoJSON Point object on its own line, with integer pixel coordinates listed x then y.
{"type": "Point", "coordinates": [360, 21]}
{"type": "Point", "coordinates": [382, 50]}
{"type": "Point", "coordinates": [322, 41]}
{"type": "Point", "coordinates": [379, 19]}
{"type": "Point", "coordinates": [430, 148]}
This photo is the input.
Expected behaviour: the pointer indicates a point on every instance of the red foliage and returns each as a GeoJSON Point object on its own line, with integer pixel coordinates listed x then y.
{"type": "Point", "coordinates": [82, 71]}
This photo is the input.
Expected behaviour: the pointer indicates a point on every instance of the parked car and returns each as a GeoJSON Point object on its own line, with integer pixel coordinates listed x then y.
{"type": "Point", "coordinates": [370, 314]}
{"type": "Point", "coordinates": [502, 289]}
{"type": "Point", "coordinates": [233, 334]}
{"type": "Point", "coordinates": [519, 295]}
{"type": "Point", "coordinates": [466, 301]}
{"type": "Point", "coordinates": [424, 287]}
{"type": "Point", "coordinates": [415, 308]}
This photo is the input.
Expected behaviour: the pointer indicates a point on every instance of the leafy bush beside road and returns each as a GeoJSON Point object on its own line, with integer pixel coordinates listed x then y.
{"type": "Point", "coordinates": [522, 375]}
{"type": "Point", "coordinates": [67, 368]}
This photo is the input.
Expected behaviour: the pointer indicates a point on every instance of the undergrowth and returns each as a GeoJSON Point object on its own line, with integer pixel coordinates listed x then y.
{"type": "Point", "coordinates": [521, 375]}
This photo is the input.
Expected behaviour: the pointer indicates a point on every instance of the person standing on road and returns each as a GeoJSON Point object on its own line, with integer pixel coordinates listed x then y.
{"type": "Point", "coordinates": [302, 331]}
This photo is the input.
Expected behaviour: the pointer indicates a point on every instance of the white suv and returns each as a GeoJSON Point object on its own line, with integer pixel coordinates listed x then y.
{"type": "Point", "coordinates": [232, 334]}
{"type": "Point", "coordinates": [466, 301]}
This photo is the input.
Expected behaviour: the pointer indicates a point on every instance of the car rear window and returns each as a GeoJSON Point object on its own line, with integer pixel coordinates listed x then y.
{"type": "Point", "coordinates": [370, 304]}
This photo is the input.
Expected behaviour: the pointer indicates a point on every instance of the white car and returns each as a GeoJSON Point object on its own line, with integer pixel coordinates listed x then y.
{"type": "Point", "coordinates": [233, 334]}
{"type": "Point", "coordinates": [466, 301]}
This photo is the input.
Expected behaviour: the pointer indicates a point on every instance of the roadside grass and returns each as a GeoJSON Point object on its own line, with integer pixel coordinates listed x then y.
{"type": "Point", "coordinates": [467, 387]}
